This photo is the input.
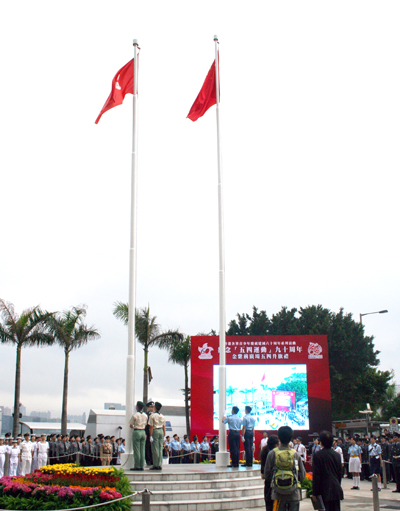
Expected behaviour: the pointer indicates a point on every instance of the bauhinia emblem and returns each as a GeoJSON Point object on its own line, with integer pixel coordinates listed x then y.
{"type": "Point", "coordinates": [314, 350]}
{"type": "Point", "coordinates": [205, 351]}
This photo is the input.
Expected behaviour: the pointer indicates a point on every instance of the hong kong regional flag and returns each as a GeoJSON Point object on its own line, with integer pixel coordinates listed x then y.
{"type": "Point", "coordinates": [122, 84]}
{"type": "Point", "coordinates": [207, 96]}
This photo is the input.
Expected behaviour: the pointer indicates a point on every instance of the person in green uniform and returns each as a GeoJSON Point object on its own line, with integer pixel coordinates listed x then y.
{"type": "Point", "coordinates": [157, 433]}
{"type": "Point", "coordinates": [138, 423]}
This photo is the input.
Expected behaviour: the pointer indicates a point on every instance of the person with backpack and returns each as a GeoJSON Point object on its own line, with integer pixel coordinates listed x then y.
{"type": "Point", "coordinates": [284, 471]}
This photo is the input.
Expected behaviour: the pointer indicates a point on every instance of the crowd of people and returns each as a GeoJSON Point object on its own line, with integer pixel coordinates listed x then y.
{"type": "Point", "coordinates": [330, 459]}
{"type": "Point", "coordinates": [28, 453]}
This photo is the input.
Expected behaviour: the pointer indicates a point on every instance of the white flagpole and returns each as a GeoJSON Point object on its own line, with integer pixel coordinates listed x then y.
{"type": "Point", "coordinates": [131, 359]}
{"type": "Point", "coordinates": [222, 457]}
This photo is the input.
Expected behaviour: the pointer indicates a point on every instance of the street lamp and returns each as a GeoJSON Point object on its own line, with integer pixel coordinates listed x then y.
{"type": "Point", "coordinates": [368, 313]}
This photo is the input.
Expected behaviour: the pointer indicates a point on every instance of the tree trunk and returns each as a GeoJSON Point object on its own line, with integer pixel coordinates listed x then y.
{"type": "Point", "coordinates": [145, 378]}
{"type": "Point", "coordinates": [17, 392]}
{"type": "Point", "coordinates": [187, 401]}
{"type": "Point", "coordinates": [65, 396]}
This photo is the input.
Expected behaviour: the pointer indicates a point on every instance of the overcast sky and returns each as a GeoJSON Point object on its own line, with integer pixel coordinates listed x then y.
{"type": "Point", "coordinates": [310, 110]}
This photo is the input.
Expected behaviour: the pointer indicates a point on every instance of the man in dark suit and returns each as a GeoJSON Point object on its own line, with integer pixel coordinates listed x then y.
{"type": "Point", "coordinates": [327, 473]}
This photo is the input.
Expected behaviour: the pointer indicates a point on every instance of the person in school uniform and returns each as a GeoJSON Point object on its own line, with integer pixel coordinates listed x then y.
{"type": "Point", "coordinates": [121, 451]}
{"type": "Point", "coordinates": [316, 447]}
{"type": "Point", "coordinates": [185, 445]}
{"type": "Point", "coordinates": [157, 433]}
{"type": "Point", "coordinates": [138, 422]}
{"type": "Point", "coordinates": [248, 425]}
{"type": "Point", "coordinates": [195, 449]}
{"type": "Point", "coordinates": [26, 455]}
{"type": "Point", "coordinates": [234, 423]}
{"type": "Point", "coordinates": [175, 450]}
{"type": "Point", "coordinates": [204, 448]}
{"type": "Point", "coordinates": [214, 445]}
{"type": "Point", "coordinates": [355, 459]}
{"type": "Point", "coordinates": [339, 450]}
{"type": "Point", "coordinates": [375, 459]}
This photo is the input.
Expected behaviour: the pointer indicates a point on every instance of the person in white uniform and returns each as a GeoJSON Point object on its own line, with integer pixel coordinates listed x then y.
{"type": "Point", "coordinates": [8, 444]}
{"type": "Point", "coordinates": [26, 455]}
{"type": "Point", "coordinates": [19, 469]}
{"type": "Point", "coordinates": [3, 450]}
{"type": "Point", "coordinates": [14, 456]}
{"type": "Point", "coordinates": [43, 451]}
{"type": "Point", "coordinates": [34, 465]}
{"type": "Point", "coordinates": [300, 448]}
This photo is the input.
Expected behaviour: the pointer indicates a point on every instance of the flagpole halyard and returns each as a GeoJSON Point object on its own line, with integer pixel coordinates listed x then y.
{"type": "Point", "coordinates": [222, 457]}
{"type": "Point", "coordinates": [131, 358]}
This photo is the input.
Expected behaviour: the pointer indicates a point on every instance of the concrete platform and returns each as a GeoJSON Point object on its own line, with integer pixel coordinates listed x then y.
{"type": "Point", "coordinates": [199, 487]}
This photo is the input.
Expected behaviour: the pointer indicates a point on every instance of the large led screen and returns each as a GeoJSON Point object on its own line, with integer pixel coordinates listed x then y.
{"type": "Point", "coordinates": [277, 394]}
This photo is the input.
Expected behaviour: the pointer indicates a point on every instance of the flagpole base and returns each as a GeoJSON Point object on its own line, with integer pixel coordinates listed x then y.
{"type": "Point", "coordinates": [222, 459]}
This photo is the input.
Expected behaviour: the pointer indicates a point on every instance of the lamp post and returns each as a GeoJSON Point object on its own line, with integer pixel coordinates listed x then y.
{"type": "Point", "coordinates": [368, 313]}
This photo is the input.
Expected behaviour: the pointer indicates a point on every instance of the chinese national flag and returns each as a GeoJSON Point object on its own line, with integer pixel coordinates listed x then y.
{"type": "Point", "coordinates": [207, 96]}
{"type": "Point", "coordinates": [122, 84]}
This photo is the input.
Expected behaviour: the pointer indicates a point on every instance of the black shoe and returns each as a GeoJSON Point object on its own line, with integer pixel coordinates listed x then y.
{"type": "Point", "coordinates": [353, 488]}
{"type": "Point", "coordinates": [159, 468]}
{"type": "Point", "coordinates": [396, 491]}
{"type": "Point", "coordinates": [153, 468]}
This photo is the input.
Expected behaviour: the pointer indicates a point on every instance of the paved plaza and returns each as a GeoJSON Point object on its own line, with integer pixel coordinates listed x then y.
{"type": "Point", "coordinates": [357, 500]}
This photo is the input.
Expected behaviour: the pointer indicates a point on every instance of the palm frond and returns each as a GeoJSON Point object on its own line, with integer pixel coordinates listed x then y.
{"type": "Point", "coordinates": [121, 311]}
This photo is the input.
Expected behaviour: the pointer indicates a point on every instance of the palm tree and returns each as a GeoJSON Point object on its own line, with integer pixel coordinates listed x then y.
{"type": "Point", "coordinates": [179, 353]}
{"type": "Point", "coordinates": [70, 333]}
{"type": "Point", "coordinates": [245, 392]}
{"type": "Point", "coordinates": [229, 392]}
{"type": "Point", "coordinates": [148, 333]}
{"type": "Point", "coordinates": [28, 329]}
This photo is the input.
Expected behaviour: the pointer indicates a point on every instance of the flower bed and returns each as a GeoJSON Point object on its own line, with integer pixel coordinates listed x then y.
{"type": "Point", "coordinates": [65, 486]}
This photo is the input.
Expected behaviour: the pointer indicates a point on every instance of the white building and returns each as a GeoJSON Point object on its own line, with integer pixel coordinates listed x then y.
{"type": "Point", "coordinates": [112, 422]}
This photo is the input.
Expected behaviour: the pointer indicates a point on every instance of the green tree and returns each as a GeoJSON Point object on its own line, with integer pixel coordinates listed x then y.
{"type": "Point", "coordinates": [28, 329]}
{"type": "Point", "coordinates": [179, 353]}
{"type": "Point", "coordinates": [148, 333]}
{"type": "Point", "coordinates": [353, 359]}
{"type": "Point", "coordinates": [257, 324]}
{"type": "Point", "coordinates": [70, 333]}
{"type": "Point", "coordinates": [296, 383]}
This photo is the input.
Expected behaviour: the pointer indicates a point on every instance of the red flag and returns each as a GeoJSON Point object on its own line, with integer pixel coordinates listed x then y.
{"type": "Point", "coordinates": [207, 96]}
{"type": "Point", "coordinates": [122, 84]}
{"type": "Point", "coordinates": [263, 377]}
